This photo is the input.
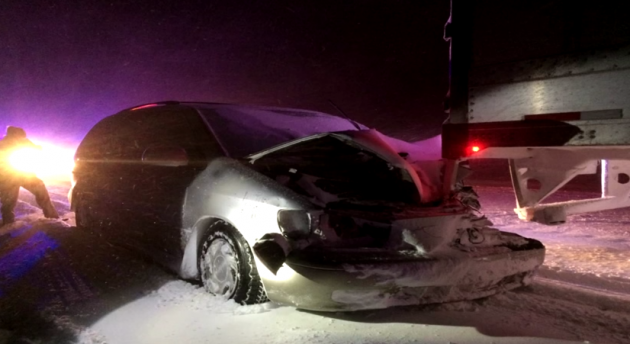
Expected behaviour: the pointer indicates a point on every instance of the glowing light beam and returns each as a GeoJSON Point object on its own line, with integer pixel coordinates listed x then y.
{"type": "Point", "coordinates": [49, 162]}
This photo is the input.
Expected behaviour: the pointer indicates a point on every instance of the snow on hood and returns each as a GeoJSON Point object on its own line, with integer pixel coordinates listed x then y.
{"type": "Point", "coordinates": [423, 150]}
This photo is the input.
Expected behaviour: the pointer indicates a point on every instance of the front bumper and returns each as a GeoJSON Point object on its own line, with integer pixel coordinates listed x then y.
{"type": "Point", "coordinates": [325, 281]}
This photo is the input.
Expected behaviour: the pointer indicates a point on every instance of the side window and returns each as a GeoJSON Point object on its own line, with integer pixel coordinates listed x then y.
{"type": "Point", "coordinates": [125, 136]}
{"type": "Point", "coordinates": [104, 141]}
{"type": "Point", "coordinates": [171, 126]}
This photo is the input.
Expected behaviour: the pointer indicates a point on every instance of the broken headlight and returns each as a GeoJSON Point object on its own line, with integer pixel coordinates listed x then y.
{"type": "Point", "coordinates": [297, 223]}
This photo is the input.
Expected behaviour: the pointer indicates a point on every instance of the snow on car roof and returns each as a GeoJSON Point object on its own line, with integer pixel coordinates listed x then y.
{"type": "Point", "coordinates": [243, 129]}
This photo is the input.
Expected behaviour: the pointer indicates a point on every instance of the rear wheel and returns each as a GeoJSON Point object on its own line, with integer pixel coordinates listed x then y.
{"type": "Point", "coordinates": [227, 266]}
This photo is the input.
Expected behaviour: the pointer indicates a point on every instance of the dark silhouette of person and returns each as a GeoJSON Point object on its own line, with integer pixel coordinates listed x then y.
{"type": "Point", "coordinates": [11, 180]}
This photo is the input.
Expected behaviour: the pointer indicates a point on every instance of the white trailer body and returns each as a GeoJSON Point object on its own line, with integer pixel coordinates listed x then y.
{"type": "Point", "coordinates": [546, 89]}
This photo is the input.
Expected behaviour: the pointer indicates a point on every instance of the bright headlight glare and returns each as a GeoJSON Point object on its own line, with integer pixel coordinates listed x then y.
{"type": "Point", "coordinates": [294, 223]}
{"type": "Point", "coordinates": [47, 161]}
{"type": "Point", "coordinates": [25, 160]}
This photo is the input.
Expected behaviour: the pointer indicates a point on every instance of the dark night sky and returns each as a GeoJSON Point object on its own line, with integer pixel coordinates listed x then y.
{"type": "Point", "coordinates": [66, 64]}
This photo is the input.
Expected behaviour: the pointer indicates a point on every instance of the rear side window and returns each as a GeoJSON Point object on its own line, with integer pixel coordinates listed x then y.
{"type": "Point", "coordinates": [103, 141]}
{"type": "Point", "coordinates": [125, 136]}
{"type": "Point", "coordinates": [171, 126]}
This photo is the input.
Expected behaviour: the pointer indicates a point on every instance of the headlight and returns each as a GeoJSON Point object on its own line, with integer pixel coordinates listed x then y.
{"type": "Point", "coordinates": [49, 162]}
{"type": "Point", "coordinates": [296, 223]}
{"type": "Point", "coordinates": [26, 160]}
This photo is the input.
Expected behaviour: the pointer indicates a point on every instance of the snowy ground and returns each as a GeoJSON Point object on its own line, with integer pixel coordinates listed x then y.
{"type": "Point", "coordinates": [60, 285]}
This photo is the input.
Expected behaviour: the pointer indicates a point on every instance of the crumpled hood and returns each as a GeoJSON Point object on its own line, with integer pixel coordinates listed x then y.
{"type": "Point", "coordinates": [425, 175]}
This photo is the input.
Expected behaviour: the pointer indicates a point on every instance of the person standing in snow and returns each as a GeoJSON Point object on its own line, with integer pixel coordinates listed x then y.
{"type": "Point", "coordinates": [11, 180]}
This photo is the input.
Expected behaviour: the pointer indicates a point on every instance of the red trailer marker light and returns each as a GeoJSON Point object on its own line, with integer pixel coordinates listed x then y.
{"type": "Point", "coordinates": [474, 148]}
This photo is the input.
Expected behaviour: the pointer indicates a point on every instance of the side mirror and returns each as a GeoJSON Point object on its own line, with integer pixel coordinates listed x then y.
{"type": "Point", "coordinates": [165, 156]}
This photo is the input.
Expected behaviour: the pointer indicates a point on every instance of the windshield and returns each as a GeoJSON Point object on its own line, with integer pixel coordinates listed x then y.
{"type": "Point", "coordinates": [244, 130]}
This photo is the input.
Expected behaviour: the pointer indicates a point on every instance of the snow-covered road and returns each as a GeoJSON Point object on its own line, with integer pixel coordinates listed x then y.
{"type": "Point", "coordinates": [60, 285]}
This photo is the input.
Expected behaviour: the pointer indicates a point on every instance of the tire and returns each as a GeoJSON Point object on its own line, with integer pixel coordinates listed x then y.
{"type": "Point", "coordinates": [227, 267]}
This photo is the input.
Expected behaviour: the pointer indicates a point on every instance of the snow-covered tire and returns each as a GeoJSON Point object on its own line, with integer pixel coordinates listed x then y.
{"type": "Point", "coordinates": [227, 266]}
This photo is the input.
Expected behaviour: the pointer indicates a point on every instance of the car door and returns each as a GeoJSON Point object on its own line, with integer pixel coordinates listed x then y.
{"type": "Point", "coordinates": [100, 159]}
{"type": "Point", "coordinates": [173, 146]}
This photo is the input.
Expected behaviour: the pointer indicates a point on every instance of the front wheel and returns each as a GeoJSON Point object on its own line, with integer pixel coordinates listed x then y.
{"type": "Point", "coordinates": [227, 266]}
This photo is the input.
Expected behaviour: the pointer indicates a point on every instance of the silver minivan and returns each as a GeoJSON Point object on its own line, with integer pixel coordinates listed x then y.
{"type": "Point", "coordinates": [293, 206]}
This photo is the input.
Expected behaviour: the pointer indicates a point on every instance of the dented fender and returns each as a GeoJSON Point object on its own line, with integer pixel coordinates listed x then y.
{"type": "Point", "coordinates": [227, 190]}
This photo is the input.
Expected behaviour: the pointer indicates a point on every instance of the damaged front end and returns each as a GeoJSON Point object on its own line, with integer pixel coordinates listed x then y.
{"type": "Point", "coordinates": [381, 232]}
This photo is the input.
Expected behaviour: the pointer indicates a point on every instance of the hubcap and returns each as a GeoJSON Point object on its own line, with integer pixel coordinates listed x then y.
{"type": "Point", "coordinates": [220, 268]}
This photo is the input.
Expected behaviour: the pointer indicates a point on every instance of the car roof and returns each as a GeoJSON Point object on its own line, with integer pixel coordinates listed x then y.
{"type": "Point", "coordinates": [246, 129]}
